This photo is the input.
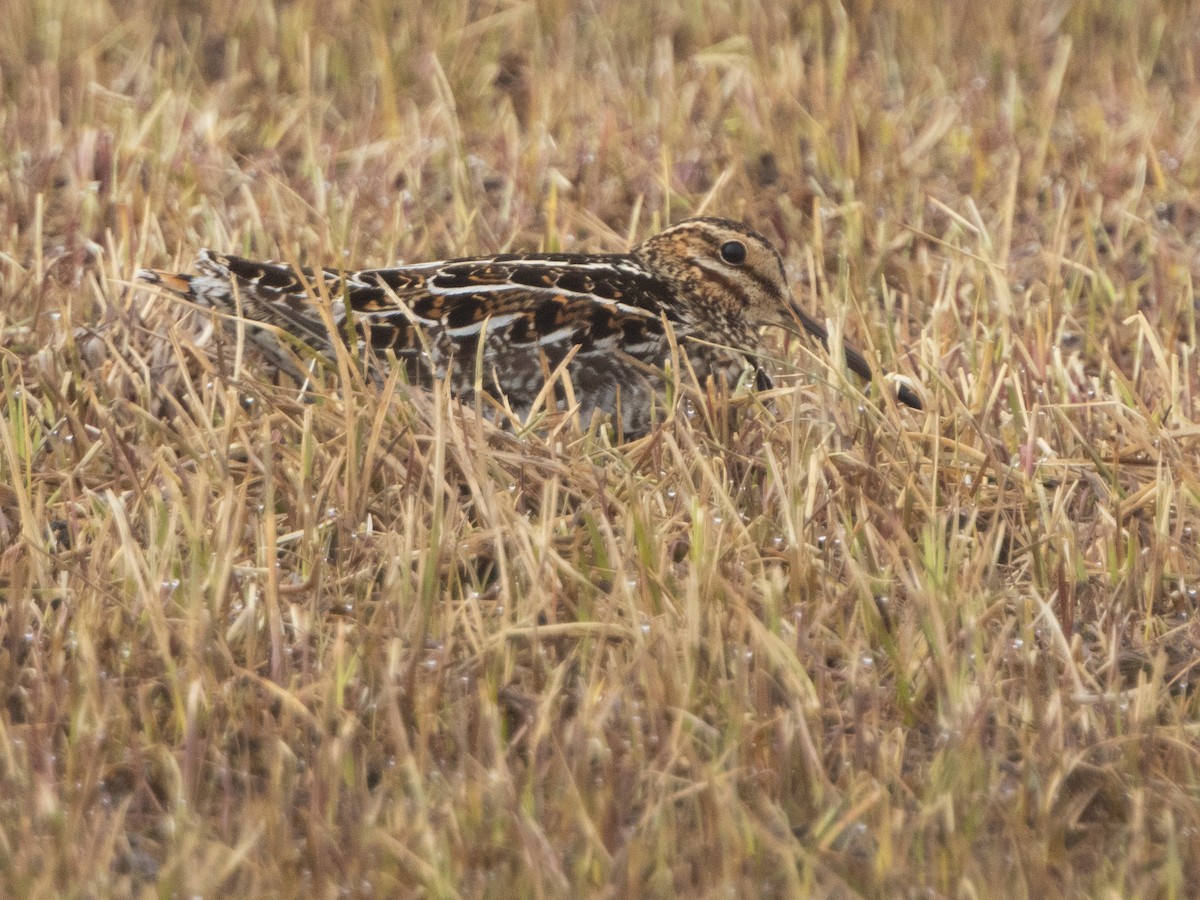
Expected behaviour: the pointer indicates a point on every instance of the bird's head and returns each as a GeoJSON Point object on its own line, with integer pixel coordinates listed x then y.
{"type": "Point", "coordinates": [725, 268]}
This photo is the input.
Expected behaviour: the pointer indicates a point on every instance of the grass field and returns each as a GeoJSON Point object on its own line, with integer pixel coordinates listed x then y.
{"type": "Point", "coordinates": [799, 644]}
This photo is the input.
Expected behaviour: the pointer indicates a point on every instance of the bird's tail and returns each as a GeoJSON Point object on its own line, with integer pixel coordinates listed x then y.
{"type": "Point", "coordinates": [281, 322]}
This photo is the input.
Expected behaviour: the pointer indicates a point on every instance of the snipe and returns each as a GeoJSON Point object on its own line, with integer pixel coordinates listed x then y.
{"type": "Point", "coordinates": [505, 323]}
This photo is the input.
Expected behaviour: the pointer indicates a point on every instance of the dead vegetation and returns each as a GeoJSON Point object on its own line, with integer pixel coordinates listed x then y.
{"type": "Point", "coordinates": [801, 644]}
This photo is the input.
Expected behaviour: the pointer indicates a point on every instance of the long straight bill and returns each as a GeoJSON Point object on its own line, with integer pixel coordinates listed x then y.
{"type": "Point", "coordinates": [856, 361]}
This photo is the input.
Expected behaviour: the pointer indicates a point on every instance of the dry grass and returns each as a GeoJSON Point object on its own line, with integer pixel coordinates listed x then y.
{"type": "Point", "coordinates": [370, 646]}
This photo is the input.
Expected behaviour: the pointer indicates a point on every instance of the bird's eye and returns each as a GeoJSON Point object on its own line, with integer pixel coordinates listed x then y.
{"type": "Point", "coordinates": [733, 252]}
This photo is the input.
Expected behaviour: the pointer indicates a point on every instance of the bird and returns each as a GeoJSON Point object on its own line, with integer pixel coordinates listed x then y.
{"type": "Point", "coordinates": [508, 324]}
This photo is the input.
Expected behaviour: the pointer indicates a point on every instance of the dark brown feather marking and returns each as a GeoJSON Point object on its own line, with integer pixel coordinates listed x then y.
{"type": "Point", "coordinates": [523, 315]}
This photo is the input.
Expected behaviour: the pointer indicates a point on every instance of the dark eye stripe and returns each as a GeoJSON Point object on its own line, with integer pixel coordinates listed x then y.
{"type": "Point", "coordinates": [769, 287]}
{"type": "Point", "coordinates": [735, 282]}
{"type": "Point", "coordinates": [732, 285]}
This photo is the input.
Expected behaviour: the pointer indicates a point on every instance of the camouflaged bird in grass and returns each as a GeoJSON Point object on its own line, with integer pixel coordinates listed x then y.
{"type": "Point", "coordinates": [506, 323]}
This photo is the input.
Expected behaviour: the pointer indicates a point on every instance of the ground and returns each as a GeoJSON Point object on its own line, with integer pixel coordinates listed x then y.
{"type": "Point", "coordinates": [364, 643]}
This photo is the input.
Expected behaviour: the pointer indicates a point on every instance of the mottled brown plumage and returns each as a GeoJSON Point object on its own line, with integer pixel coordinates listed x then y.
{"type": "Point", "coordinates": [713, 282]}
